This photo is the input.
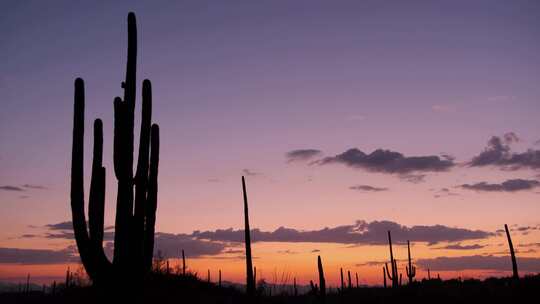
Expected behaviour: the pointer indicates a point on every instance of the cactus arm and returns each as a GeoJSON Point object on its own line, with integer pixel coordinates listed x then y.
{"type": "Point", "coordinates": [96, 204]}
{"type": "Point", "coordinates": [77, 183]}
{"type": "Point", "coordinates": [250, 288]}
{"type": "Point", "coordinates": [150, 210]}
{"type": "Point", "coordinates": [387, 272]}
{"type": "Point", "coordinates": [141, 176]}
{"type": "Point", "coordinates": [515, 274]}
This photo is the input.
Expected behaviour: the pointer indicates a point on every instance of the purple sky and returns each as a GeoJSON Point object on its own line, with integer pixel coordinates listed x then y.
{"type": "Point", "coordinates": [238, 84]}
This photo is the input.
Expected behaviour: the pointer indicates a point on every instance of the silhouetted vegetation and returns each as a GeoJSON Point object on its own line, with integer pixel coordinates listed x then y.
{"type": "Point", "coordinates": [174, 287]}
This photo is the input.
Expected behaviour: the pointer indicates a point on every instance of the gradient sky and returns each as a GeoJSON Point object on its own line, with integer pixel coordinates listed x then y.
{"type": "Point", "coordinates": [239, 84]}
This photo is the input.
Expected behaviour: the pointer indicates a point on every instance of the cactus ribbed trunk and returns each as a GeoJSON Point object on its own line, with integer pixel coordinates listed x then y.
{"type": "Point", "coordinates": [322, 281]}
{"type": "Point", "coordinates": [250, 286]}
{"type": "Point", "coordinates": [134, 225]}
{"type": "Point", "coordinates": [515, 274]}
{"type": "Point", "coordinates": [357, 285]}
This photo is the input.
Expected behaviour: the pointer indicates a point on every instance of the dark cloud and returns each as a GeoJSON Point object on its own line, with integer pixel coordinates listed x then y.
{"type": "Point", "coordinates": [315, 250]}
{"type": "Point", "coordinates": [171, 245]}
{"type": "Point", "coordinates": [461, 247]}
{"type": "Point", "coordinates": [478, 262]}
{"type": "Point", "coordinates": [30, 186]}
{"type": "Point", "coordinates": [511, 185]}
{"type": "Point", "coordinates": [362, 232]}
{"type": "Point", "coordinates": [367, 188]}
{"type": "Point", "coordinates": [498, 153]}
{"type": "Point", "coordinates": [302, 155]}
{"type": "Point", "coordinates": [11, 188]}
{"type": "Point", "coordinates": [390, 162]}
{"type": "Point", "coordinates": [37, 256]}
{"type": "Point", "coordinates": [67, 225]}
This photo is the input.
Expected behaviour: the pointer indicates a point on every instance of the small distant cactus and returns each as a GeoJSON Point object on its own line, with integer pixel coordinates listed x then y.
{"type": "Point", "coordinates": [295, 289]}
{"type": "Point", "coordinates": [350, 282]}
{"type": "Point", "coordinates": [357, 286]}
{"type": "Point", "coordinates": [384, 276]}
{"type": "Point", "coordinates": [322, 281]}
{"type": "Point", "coordinates": [393, 264]}
{"type": "Point", "coordinates": [183, 263]}
{"type": "Point", "coordinates": [410, 270]}
{"type": "Point", "coordinates": [515, 274]}
{"type": "Point", "coordinates": [342, 281]}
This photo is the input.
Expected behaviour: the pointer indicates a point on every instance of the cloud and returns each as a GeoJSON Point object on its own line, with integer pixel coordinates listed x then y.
{"type": "Point", "coordinates": [478, 262]}
{"type": "Point", "coordinates": [362, 232]}
{"type": "Point", "coordinates": [37, 256]}
{"type": "Point", "coordinates": [390, 162]}
{"type": "Point", "coordinates": [30, 186]}
{"type": "Point", "coordinates": [458, 246]}
{"type": "Point", "coordinates": [511, 185]}
{"type": "Point", "coordinates": [367, 188]}
{"type": "Point", "coordinates": [248, 172]}
{"type": "Point", "coordinates": [302, 155]}
{"type": "Point", "coordinates": [171, 245]}
{"type": "Point", "coordinates": [443, 192]}
{"type": "Point", "coordinates": [11, 188]}
{"type": "Point", "coordinates": [498, 153]}
{"type": "Point", "coordinates": [67, 225]}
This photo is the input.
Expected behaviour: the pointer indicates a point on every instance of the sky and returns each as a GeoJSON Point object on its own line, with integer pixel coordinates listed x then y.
{"type": "Point", "coordinates": [419, 117]}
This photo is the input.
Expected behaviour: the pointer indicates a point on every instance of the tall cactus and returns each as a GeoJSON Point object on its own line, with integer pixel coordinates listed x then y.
{"type": "Point", "coordinates": [322, 281]}
{"type": "Point", "coordinates": [183, 263]}
{"type": "Point", "coordinates": [394, 277]}
{"type": "Point", "coordinates": [410, 270]}
{"type": "Point", "coordinates": [135, 221]}
{"type": "Point", "coordinates": [250, 280]}
{"type": "Point", "coordinates": [515, 274]}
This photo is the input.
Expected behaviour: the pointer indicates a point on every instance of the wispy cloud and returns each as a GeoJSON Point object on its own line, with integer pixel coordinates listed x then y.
{"type": "Point", "coordinates": [302, 155]}
{"type": "Point", "coordinates": [458, 246]}
{"type": "Point", "coordinates": [511, 185]}
{"type": "Point", "coordinates": [11, 188]}
{"type": "Point", "coordinates": [248, 172]}
{"type": "Point", "coordinates": [367, 188]}
{"type": "Point", "coordinates": [478, 262]}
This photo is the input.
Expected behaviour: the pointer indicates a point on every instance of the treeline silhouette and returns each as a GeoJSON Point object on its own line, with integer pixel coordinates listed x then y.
{"type": "Point", "coordinates": [135, 273]}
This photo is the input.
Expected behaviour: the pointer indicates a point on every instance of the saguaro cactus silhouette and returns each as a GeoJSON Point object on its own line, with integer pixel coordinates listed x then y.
{"type": "Point", "coordinates": [135, 215]}
{"type": "Point", "coordinates": [322, 281]}
{"type": "Point", "coordinates": [410, 270]}
{"type": "Point", "coordinates": [250, 281]}
{"type": "Point", "coordinates": [515, 274]}
{"type": "Point", "coordinates": [394, 277]}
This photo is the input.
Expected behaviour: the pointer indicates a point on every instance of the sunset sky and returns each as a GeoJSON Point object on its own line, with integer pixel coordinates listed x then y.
{"type": "Point", "coordinates": [419, 117]}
